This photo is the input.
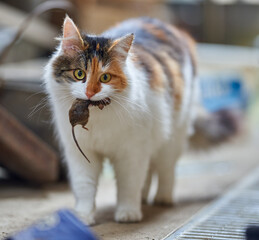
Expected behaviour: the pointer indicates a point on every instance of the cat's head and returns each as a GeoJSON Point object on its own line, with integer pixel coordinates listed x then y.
{"type": "Point", "coordinates": [91, 67]}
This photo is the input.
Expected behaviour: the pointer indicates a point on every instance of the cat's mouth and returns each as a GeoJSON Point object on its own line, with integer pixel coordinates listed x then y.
{"type": "Point", "coordinates": [100, 103]}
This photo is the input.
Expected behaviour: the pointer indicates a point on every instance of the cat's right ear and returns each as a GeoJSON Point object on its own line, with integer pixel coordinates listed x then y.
{"type": "Point", "coordinates": [71, 40]}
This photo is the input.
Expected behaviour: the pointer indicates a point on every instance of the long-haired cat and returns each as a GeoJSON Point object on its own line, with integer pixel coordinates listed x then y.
{"type": "Point", "coordinates": [147, 69]}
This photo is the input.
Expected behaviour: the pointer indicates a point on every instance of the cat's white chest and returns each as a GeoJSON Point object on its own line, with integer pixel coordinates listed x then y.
{"type": "Point", "coordinates": [107, 131]}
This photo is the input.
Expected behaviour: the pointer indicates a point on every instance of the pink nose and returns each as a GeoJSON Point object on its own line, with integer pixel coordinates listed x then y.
{"type": "Point", "coordinates": [89, 94]}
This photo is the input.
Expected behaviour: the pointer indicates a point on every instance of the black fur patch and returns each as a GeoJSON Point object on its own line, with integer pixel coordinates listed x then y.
{"type": "Point", "coordinates": [101, 52]}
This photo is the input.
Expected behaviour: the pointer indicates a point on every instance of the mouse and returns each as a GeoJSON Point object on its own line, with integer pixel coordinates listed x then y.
{"type": "Point", "coordinates": [79, 115]}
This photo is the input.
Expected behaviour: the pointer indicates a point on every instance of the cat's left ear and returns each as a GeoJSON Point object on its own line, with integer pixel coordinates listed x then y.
{"type": "Point", "coordinates": [120, 47]}
{"type": "Point", "coordinates": [72, 40]}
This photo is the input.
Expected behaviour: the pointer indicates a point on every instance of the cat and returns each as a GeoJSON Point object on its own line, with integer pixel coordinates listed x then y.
{"type": "Point", "coordinates": [148, 70]}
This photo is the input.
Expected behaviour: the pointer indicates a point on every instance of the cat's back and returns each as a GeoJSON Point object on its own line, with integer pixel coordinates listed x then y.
{"type": "Point", "coordinates": [155, 37]}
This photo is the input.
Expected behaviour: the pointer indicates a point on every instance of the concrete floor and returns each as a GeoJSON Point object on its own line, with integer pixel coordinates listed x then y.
{"type": "Point", "coordinates": [200, 179]}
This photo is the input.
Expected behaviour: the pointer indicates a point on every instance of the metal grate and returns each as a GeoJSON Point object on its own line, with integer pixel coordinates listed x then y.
{"type": "Point", "coordinates": [227, 217]}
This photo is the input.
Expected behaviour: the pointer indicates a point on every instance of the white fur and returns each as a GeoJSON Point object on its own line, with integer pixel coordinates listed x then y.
{"type": "Point", "coordinates": [138, 132]}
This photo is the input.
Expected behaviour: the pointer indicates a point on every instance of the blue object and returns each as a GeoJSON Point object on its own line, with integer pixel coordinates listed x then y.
{"type": "Point", "coordinates": [62, 225]}
{"type": "Point", "coordinates": [222, 91]}
{"type": "Point", "coordinates": [252, 233]}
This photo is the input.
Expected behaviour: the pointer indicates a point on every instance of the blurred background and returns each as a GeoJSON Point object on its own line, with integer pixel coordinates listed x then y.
{"type": "Point", "coordinates": [32, 175]}
{"type": "Point", "coordinates": [227, 33]}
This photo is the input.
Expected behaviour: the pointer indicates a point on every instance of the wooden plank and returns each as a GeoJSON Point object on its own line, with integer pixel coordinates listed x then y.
{"type": "Point", "coordinates": [23, 153]}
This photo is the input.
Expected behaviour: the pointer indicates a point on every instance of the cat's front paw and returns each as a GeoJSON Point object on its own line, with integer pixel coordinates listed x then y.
{"type": "Point", "coordinates": [128, 215]}
{"type": "Point", "coordinates": [87, 218]}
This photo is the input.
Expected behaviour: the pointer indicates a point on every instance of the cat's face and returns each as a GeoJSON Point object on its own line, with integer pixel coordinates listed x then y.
{"type": "Point", "coordinates": [91, 67]}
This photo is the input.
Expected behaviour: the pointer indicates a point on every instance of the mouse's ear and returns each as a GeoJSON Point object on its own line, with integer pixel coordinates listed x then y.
{"type": "Point", "coordinates": [71, 40]}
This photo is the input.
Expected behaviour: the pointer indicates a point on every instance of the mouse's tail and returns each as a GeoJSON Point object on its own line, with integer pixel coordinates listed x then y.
{"type": "Point", "coordinates": [74, 137]}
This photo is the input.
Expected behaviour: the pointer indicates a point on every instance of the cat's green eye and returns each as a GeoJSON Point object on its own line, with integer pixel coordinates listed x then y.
{"type": "Point", "coordinates": [79, 74]}
{"type": "Point", "coordinates": [106, 77]}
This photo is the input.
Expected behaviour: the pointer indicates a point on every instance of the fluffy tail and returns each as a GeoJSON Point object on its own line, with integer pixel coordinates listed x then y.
{"type": "Point", "coordinates": [214, 129]}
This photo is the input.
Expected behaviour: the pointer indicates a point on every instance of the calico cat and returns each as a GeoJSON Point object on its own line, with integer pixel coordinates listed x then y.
{"type": "Point", "coordinates": [147, 69]}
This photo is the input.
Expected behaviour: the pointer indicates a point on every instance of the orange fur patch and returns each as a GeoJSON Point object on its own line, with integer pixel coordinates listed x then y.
{"type": "Point", "coordinates": [156, 80]}
{"type": "Point", "coordinates": [118, 80]}
{"type": "Point", "coordinates": [158, 33]}
{"type": "Point", "coordinates": [177, 79]}
{"type": "Point", "coordinates": [113, 44]}
{"type": "Point", "coordinates": [94, 85]}
{"type": "Point", "coordinates": [174, 30]}
{"type": "Point", "coordinates": [86, 46]}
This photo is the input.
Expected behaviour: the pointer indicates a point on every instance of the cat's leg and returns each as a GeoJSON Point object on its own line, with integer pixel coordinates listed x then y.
{"type": "Point", "coordinates": [146, 188]}
{"type": "Point", "coordinates": [84, 180]}
{"type": "Point", "coordinates": [165, 167]}
{"type": "Point", "coordinates": [131, 172]}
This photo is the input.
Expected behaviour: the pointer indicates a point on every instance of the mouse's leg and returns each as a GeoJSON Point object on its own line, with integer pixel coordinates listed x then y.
{"type": "Point", "coordinates": [83, 126]}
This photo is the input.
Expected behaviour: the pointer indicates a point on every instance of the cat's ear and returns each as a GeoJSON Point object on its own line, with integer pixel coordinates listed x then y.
{"type": "Point", "coordinates": [121, 46]}
{"type": "Point", "coordinates": [72, 40]}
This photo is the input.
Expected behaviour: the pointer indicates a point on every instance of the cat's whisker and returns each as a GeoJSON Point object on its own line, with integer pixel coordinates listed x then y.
{"type": "Point", "coordinates": [130, 123]}
{"type": "Point", "coordinates": [34, 94]}
{"type": "Point", "coordinates": [117, 113]}
{"type": "Point", "coordinates": [65, 97]}
{"type": "Point", "coordinates": [130, 101]}
{"type": "Point", "coordinates": [123, 107]}
{"type": "Point", "coordinates": [43, 103]}
{"type": "Point", "coordinates": [142, 108]}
